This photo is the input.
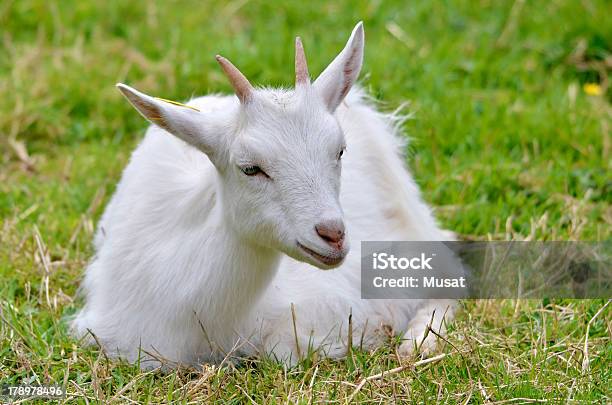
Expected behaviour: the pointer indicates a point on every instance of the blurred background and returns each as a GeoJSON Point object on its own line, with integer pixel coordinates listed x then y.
{"type": "Point", "coordinates": [510, 101]}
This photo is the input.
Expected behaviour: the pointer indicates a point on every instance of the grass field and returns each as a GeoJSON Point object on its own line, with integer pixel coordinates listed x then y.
{"type": "Point", "coordinates": [510, 139]}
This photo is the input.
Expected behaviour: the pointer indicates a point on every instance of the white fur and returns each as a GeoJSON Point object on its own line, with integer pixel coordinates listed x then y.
{"type": "Point", "coordinates": [194, 259]}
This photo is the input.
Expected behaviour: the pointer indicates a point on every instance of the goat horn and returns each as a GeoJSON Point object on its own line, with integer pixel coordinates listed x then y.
{"type": "Point", "coordinates": [241, 84]}
{"type": "Point", "coordinates": [301, 67]}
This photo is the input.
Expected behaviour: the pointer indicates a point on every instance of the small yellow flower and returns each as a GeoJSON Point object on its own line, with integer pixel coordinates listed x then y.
{"type": "Point", "coordinates": [592, 89]}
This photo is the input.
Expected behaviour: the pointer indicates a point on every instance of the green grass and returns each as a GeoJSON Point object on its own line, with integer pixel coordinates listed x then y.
{"type": "Point", "coordinates": [505, 143]}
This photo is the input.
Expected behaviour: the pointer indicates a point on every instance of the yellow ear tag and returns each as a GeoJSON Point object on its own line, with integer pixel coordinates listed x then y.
{"type": "Point", "coordinates": [177, 103]}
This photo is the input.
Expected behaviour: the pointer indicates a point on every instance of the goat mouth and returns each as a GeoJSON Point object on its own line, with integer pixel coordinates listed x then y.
{"type": "Point", "coordinates": [328, 260]}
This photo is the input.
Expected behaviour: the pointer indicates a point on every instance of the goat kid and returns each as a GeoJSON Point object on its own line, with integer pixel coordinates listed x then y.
{"type": "Point", "coordinates": [211, 243]}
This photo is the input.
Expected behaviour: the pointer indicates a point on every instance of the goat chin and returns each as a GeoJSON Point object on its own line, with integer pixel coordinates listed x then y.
{"type": "Point", "coordinates": [188, 265]}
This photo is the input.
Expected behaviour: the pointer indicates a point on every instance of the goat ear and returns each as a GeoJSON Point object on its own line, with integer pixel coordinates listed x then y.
{"type": "Point", "coordinates": [185, 122]}
{"type": "Point", "coordinates": [338, 78]}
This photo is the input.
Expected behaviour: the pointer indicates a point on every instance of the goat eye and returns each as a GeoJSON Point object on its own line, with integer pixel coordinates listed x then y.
{"type": "Point", "coordinates": [251, 170]}
{"type": "Point", "coordinates": [340, 154]}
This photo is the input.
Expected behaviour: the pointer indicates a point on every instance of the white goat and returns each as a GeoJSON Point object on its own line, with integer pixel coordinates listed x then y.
{"type": "Point", "coordinates": [211, 242]}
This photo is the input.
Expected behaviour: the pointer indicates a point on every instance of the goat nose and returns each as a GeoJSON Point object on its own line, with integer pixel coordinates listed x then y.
{"type": "Point", "coordinates": [332, 231]}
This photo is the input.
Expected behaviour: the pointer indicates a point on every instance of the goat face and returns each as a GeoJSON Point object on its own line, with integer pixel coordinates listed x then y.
{"type": "Point", "coordinates": [282, 178]}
